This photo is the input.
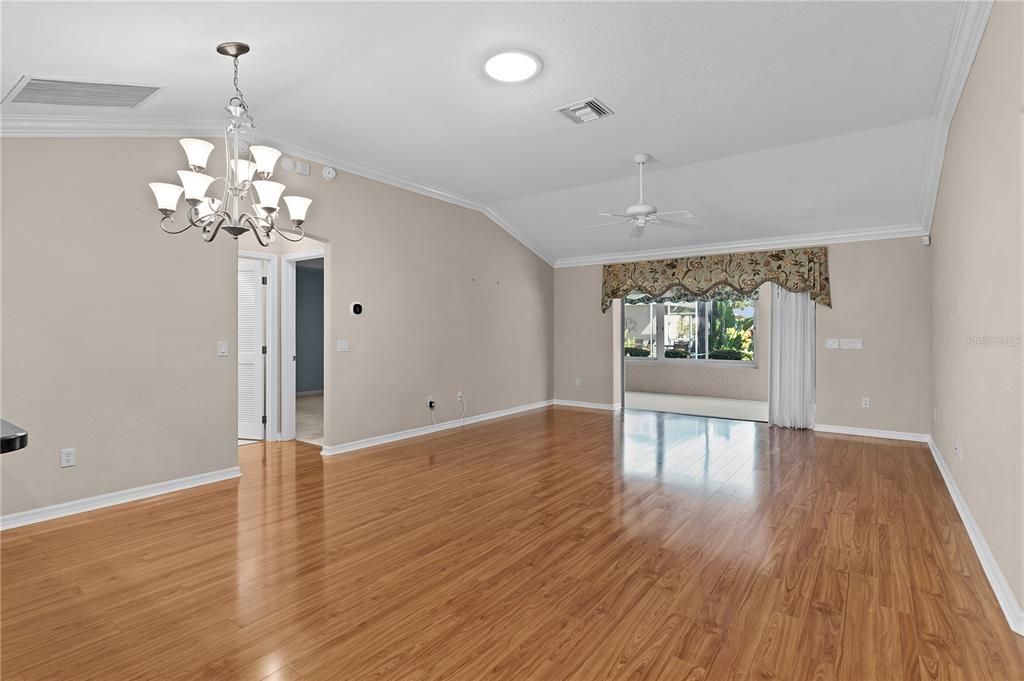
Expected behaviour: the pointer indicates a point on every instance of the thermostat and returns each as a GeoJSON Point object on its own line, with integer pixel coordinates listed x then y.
{"type": "Point", "coordinates": [356, 309]}
{"type": "Point", "coordinates": [330, 173]}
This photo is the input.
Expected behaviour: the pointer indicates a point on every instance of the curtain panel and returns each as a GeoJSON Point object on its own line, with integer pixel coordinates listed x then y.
{"type": "Point", "coordinates": [795, 269]}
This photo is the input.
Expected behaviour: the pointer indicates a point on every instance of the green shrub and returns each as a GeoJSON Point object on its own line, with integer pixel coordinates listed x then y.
{"type": "Point", "coordinates": [725, 354]}
{"type": "Point", "coordinates": [637, 352]}
{"type": "Point", "coordinates": [674, 353]}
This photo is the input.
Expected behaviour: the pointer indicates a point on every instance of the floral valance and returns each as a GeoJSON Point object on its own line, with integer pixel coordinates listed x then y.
{"type": "Point", "coordinates": [677, 294]}
{"type": "Point", "coordinates": [794, 269]}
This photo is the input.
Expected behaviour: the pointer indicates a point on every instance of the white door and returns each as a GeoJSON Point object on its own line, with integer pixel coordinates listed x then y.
{"type": "Point", "coordinates": [251, 350]}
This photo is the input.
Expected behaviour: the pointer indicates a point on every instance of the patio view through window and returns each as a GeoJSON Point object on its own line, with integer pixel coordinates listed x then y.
{"type": "Point", "coordinates": [706, 330]}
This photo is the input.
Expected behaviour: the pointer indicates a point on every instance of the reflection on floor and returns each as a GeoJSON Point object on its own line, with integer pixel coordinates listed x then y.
{"type": "Point", "coordinates": [717, 407]}
{"type": "Point", "coordinates": [309, 419]}
{"type": "Point", "coordinates": [553, 545]}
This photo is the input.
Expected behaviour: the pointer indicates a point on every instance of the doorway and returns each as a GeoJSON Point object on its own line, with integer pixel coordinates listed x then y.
{"type": "Point", "coordinates": [309, 351]}
{"type": "Point", "coordinates": [303, 297]}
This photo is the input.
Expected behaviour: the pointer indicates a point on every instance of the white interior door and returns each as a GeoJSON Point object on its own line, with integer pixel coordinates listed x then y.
{"type": "Point", "coordinates": [252, 357]}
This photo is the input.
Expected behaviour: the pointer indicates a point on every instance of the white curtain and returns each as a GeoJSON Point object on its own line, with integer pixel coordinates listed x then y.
{"type": "Point", "coordinates": [791, 387]}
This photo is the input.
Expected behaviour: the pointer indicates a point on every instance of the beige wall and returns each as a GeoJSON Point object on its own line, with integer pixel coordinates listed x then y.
{"type": "Point", "coordinates": [881, 294]}
{"type": "Point", "coordinates": [726, 379]}
{"type": "Point", "coordinates": [452, 302]}
{"type": "Point", "coordinates": [110, 327]}
{"type": "Point", "coordinates": [976, 292]}
{"type": "Point", "coordinates": [584, 338]}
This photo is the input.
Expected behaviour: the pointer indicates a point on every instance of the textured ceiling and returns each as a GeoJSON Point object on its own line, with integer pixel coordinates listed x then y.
{"type": "Point", "coordinates": [767, 120]}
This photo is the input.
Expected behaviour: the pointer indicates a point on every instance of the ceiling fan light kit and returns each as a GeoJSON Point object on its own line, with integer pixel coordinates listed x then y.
{"type": "Point", "coordinates": [641, 213]}
{"type": "Point", "coordinates": [246, 205]}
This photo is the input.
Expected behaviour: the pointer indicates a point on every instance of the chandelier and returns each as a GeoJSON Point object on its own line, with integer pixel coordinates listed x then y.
{"type": "Point", "coordinates": [246, 205]}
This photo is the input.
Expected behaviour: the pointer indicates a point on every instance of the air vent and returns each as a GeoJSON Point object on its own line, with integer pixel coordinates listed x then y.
{"type": "Point", "coordinates": [585, 111]}
{"type": "Point", "coordinates": [73, 93]}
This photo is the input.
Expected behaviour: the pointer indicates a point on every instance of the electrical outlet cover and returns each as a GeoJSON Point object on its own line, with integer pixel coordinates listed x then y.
{"type": "Point", "coordinates": [67, 457]}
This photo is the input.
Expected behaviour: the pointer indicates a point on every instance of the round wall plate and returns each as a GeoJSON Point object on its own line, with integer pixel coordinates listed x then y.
{"type": "Point", "coordinates": [330, 173]}
{"type": "Point", "coordinates": [288, 164]}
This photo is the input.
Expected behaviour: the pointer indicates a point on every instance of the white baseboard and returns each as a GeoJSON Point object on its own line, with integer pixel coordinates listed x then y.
{"type": "Point", "coordinates": [1004, 594]}
{"type": "Point", "coordinates": [38, 515]}
{"type": "Point", "coordinates": [588, 405]}
{"type": "Point", "coordinates": [331, 450]}
{"type": "Point", "coordinates": [872, 432]}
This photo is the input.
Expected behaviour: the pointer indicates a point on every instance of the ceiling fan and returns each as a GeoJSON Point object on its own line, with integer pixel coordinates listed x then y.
{"type": "Point", "coordinates": [642, 214]}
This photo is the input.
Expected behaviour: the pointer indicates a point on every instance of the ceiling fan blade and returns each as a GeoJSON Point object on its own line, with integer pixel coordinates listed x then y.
{"type": "Point", "coordinates": [607, 224]}
{"type": "Point", "coordinates": [613, 215]}
{"type": "Point", "coordinates": [674, 224]}
{"type": "Point", "coordinates": [681, 213]}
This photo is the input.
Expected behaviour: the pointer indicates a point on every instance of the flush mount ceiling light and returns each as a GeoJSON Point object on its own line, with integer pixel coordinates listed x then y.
{"type": "Point", "coordinates": [513, 66]}
{"type": "Point", "coordinates": [246, 205]}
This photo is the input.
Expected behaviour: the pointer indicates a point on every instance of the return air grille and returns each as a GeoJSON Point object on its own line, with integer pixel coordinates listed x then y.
{"type": "Point", "coordinates": [585, 111]}
{"type": "Point", "coordinates": [74, 93]}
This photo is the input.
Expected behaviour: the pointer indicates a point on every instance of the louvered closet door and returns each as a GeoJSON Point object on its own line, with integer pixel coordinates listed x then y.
{"type": "Point", "coordinates": [251, 360]}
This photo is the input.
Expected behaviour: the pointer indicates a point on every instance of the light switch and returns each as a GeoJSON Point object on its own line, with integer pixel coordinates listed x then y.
{"type": "Point", "coordinates": [831, 343]}
{"type": "Point", "coordinates": [851, 343]}
{"type": "Point", "coordinates": [342, 345]}
{"type": "Point", "coordinates": [222, 348]}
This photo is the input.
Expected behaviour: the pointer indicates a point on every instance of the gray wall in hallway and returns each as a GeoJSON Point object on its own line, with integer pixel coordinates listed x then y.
{"type": "Point", "coordinates": [309, 329]}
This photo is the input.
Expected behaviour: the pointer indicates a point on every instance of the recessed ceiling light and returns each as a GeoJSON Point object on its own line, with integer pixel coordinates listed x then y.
{"type": "Point", "coordinates": [513, 66]}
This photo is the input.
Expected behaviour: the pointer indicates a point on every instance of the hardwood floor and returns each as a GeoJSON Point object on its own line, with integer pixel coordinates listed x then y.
{"type": "Point", "coordinates": [559, 544]}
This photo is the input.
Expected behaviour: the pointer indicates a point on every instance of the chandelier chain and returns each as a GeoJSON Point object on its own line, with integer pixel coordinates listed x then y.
{"type": "Point", "coordinates": [239, 97]}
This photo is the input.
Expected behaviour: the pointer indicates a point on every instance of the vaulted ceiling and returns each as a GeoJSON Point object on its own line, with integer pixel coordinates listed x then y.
{"type": "Point", "coordinates": [774, 123]}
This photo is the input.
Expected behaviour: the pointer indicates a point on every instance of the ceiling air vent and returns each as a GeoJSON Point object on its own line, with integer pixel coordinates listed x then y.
{"type": "Point", "coordinates": [585, 111]}
{"type": "Point", "coordinates": [74, 93]}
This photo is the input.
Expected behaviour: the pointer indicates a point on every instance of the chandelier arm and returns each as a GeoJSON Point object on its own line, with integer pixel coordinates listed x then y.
{"type": "Point", "coordinates": [287, 238]}
{"type": "Point", "coordinates": [254, 227]}
{"type": "Point", "coordinates": [205, 222]}
{"type": "Point", "coordinates": [210, 233]}
{"type": "Point", "coordinates": [169, 219]}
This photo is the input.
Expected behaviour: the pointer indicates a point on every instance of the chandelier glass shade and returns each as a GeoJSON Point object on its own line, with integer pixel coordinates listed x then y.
{"type": "Point", "coordinates": [250, 200]}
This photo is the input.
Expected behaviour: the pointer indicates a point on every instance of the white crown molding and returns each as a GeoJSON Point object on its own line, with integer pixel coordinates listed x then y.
{"type": "Point", "coordinates": [971, 20]}
{"type": "Point", "coordinates": [23, 125]}
{"type": "Point", "coordinates": [797, 241]}
{"type": "Point", "coordinates": [1004, 593]}
{"type": "Point", "coordinates": [872, 432]}
{"type": "Point", "coordinates": [377, 440]}
{"type": "Point", "coordinates": [38, 515]}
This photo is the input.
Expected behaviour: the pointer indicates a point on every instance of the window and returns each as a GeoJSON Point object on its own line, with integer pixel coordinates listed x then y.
{"type": "Point", "coordinates": [716, 330]}
{"type": "Point", "coordinates": [641, 331]}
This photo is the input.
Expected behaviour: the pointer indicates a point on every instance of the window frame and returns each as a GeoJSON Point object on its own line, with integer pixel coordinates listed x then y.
{"type": "Point", "coordinates": [659, 314]}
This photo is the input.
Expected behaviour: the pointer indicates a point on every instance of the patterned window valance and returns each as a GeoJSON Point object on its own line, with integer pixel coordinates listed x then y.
{"type": "Point", "coordinates": [794, 269]}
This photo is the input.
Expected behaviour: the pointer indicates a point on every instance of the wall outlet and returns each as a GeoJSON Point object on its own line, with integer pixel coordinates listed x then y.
{"type": "Point", "coordinates": [831, 343]}
{"type": "Point", "coordinates": [431, 403]}
{"type": "Point", "coordinates": [958, 452]}
{"type": "Point", "coordinates": [459, 395]}
{"type": "Point", "coordinates": [343, 345]}
{"type": "Point", "coordinates": [67, 457]}
{"type": "Point", "coordinates": [579, 381]}
{"type": "Point", "coordinates": [865, 402]}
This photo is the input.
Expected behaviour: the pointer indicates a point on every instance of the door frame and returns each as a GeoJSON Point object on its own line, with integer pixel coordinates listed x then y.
{"type": "Point", "coordinates": [271, 365]}
{"type": "Point", "coordinates": [287, 385]}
